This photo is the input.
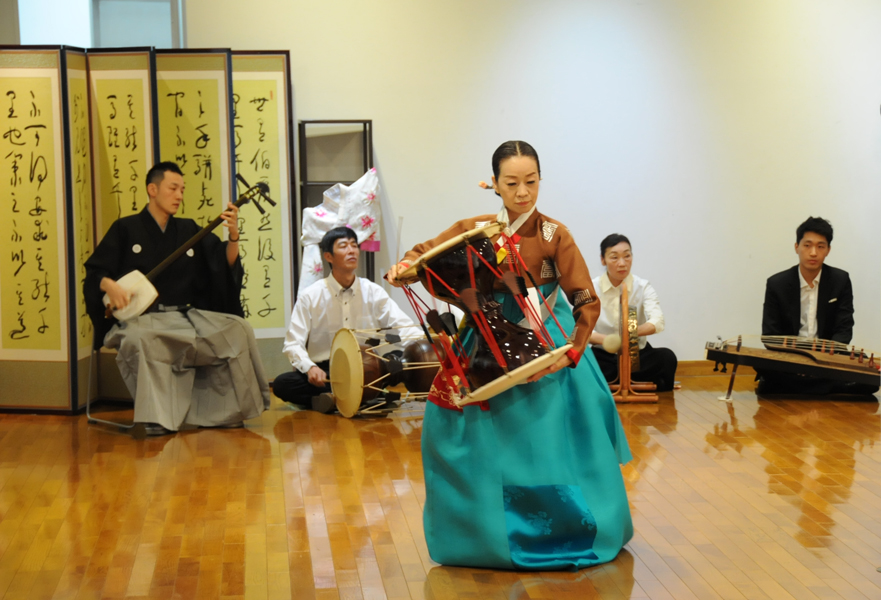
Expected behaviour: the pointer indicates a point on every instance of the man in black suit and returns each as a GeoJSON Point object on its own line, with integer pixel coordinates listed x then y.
{"type": "Point", "coordinates": [809, 300]}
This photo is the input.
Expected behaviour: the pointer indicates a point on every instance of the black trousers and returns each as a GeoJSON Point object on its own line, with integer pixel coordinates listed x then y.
{"type": "Point", "coordinates": [657, 365]}
{"type": "Point", "coordinates": [776, 382]}
{"type": "Point", "coordinates": [294, 387]}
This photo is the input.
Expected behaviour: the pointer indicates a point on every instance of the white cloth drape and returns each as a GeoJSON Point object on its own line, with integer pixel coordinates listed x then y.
{"type": "Point", "coordinates": [355, 206]}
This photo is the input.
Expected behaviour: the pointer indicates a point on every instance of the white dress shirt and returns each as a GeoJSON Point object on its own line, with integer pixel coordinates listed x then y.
{"type": "Point", "coordinates": [640, 294]}
{"type": "Point", "coordinates": [325, 307]}
{"type": "Point", "coordinates": [808, 313]}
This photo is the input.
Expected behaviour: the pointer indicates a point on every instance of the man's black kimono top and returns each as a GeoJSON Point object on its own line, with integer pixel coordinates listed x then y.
{"type": "Point", "coordinates": [201, 277]}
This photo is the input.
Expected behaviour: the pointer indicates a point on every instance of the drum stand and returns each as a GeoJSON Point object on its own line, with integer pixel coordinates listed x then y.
{"type": "Point", "coordinates": [382, 407]}
{"type": "Point", "coordinates": [624, 389]}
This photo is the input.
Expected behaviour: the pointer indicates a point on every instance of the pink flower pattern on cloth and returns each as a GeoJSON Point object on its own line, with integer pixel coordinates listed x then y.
{"type": "Point", "coordinates": [356, 204]}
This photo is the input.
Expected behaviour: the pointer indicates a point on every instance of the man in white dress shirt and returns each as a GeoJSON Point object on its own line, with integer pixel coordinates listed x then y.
{"type": "Point", "coordinates": [340, 301]}
{"type": "Point", "coordinates": [657, 365]}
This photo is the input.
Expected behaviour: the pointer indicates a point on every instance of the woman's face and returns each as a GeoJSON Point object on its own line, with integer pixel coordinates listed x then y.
{"type": "Point", "coordinates": [517, 184]}
{"type": "Point", "coordinates": [618, 259]}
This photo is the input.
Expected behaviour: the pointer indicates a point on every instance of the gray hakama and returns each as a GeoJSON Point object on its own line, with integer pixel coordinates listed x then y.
{"type": "Point", "coordinates": [200, 367]}
{"type": "Point", "coordinates": [196, 367]}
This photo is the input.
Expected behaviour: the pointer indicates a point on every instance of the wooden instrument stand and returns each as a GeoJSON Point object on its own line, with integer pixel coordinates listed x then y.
{"type": "Point", "coordinates": [624, 389]}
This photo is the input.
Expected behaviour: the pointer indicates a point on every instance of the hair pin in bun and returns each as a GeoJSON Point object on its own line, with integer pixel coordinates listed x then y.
{"type": "Point", "coordinates": [484, 185]}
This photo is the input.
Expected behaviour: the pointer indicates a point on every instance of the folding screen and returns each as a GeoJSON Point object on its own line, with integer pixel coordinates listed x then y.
{"type": "Point", "coordinates": [79, 132]}
{"type": "Point", "coordinates": [263, 134]}
{"type": "Point", "coordinates": [45, 205]}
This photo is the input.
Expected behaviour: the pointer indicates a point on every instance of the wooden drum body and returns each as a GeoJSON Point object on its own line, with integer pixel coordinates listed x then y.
{"type": "Point", "coordinates": [449, 262]}
{"type": "Point", "coordinates": [517, 344]}
{"type": "Point", "coordinates": [358, 373]}
{"type": "Point", "coordinates": [463, 271]}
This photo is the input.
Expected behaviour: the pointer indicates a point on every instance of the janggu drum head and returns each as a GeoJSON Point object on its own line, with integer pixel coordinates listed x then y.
{"type": "Point", "coordinates": [346, 373]}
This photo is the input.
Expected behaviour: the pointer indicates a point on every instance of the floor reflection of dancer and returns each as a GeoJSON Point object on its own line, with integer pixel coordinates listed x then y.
{"type": "Point", "coordinates": [533, 482]}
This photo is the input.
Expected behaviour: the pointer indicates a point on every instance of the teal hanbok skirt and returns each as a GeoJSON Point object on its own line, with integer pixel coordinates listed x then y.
{"type": "Point", "coordinates": [534, 482]}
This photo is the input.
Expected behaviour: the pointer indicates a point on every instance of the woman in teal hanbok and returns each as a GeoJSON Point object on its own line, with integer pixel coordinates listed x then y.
{"type": "Point", "coordinates": [531, 478]}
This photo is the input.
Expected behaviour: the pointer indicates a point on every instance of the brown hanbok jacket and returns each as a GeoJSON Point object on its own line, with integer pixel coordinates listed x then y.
{"type": "Point", "coordinates": [550, 254]}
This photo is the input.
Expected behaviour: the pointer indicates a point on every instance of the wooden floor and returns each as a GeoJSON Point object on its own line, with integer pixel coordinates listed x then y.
{"type": "Point", "coordinates": [757, 499]}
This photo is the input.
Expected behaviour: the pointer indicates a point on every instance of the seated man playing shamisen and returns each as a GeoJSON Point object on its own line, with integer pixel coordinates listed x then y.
{"type": "Point", "coordinates": [191, 358]}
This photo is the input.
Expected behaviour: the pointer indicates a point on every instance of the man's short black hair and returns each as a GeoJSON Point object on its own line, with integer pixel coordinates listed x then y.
{"type": "Point", "coordinates": [613, 240]}
{"type": "Point", "coordinates": [157, 173]}
{"type": "Point", "coordinates": [330, 238]}
{"type": "Point", "coordinates": [817, 225]}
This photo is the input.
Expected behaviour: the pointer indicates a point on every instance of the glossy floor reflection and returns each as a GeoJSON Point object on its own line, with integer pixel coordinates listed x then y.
{"type": "Point", "coordinates": [757, 499]}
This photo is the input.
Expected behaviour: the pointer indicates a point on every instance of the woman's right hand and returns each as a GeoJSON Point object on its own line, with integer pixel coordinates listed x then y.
{"type": "Point", "coordinates": [392, 275]}
{"type": "Point", "coordinates": [119, 297]}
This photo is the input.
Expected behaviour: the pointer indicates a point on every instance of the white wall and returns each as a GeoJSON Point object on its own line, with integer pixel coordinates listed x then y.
{"type": "Point", "coordinates": [53, 22]}
{"type": "Point", "coordinates": [705, 131]}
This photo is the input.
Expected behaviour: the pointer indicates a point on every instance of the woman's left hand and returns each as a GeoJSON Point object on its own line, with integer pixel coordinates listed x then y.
{"type": "Point", "coordinates": [562, 362]}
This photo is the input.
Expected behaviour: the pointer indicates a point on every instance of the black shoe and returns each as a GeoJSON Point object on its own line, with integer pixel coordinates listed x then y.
{"type": "Point", "coordinates": [761, 386]}
{"type": "Point", "coordinates": [153, 429]}
{"type": "Point", "coordinates": [324, 403]}
{"type": "Point", "coordinates": [235, 425]}
{"type": "Point", "coordinates": [766, 387]}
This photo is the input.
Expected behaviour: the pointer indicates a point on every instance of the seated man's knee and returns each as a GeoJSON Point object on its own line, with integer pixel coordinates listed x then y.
{"type": "Point", "coordinates": [294, 387]}
{"type": "Point", "coordinates": [124, 336]}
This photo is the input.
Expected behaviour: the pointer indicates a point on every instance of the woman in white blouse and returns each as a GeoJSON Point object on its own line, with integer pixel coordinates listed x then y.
{"type": "Point", "coordinates": [657, 365]}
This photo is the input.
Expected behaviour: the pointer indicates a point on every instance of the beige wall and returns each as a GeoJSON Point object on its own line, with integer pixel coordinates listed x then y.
{"type": "Point", "coordinates": [705, 131]}
{"type": "Point", "coordinates": [9, 23]}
